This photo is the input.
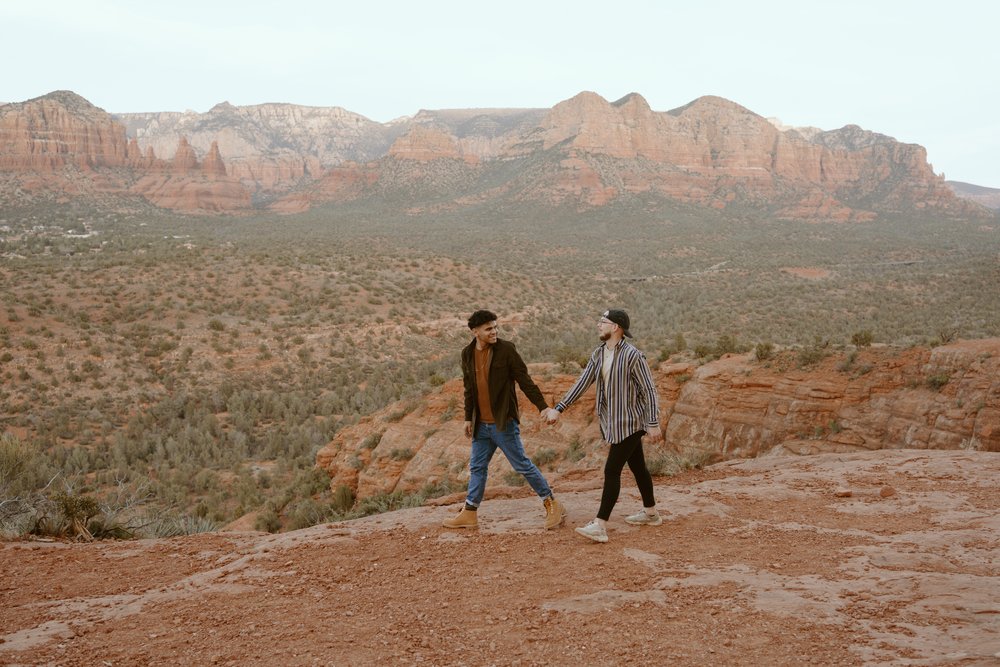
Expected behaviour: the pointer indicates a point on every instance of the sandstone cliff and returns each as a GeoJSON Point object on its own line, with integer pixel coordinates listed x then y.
{"type": "Point", "coordinates": [269, 147]}
{"type": "Point", "coordinates": [584, 152]}
{"type": "Point", "coordinates": [947, 397]}
{"type": "Point", "coordinates": [61, 143]}
{"type": "Point", "coordinates": [711, 152]}
{"type": "Point", "coordinates": [59, 130]}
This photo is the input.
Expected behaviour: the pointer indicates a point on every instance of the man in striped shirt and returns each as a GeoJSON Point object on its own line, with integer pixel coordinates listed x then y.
{"type": "Point", "coordinates": [628, 409]}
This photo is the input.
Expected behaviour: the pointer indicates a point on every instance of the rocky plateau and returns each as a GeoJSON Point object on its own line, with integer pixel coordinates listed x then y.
{"type": "Point", "coordinates": [945, 397]}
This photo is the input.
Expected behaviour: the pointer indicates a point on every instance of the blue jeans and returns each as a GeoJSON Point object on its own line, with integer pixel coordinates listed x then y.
{"type": "Point", "coordinates": [484, 443]}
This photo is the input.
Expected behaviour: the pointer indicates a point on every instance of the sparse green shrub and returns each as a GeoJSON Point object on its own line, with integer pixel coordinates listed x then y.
{"type": "Point", "coordinates": [76, 512]}
{"type": "Point", "coordinates": [813, 354]}
{"type": "Point", "coordinates": [947, 334]}
{"type": "Point", "coordinates": [544, 456]}
{"type": "Point", "coordinates": [704, 351]}
{"type": "Point", "coordinates": [848, 361]}
{"type": "Point", "coordinates": [575, 450]}
{"type": "Point", "coordinates": [668, 464]}
{"type": "Point", "coordinates": [402, 454]}
{"type": "Point", "coordinates": [763, 351]}
{"type": "Point", "coordinates": [863, 338]}
{"type": "Point", "coordinates": [386, 502]}
{"type": "Point", "coordinates": [938, 380]}
{"type": "Point", "coordinates": [268, 520]}
{"type": "Point", "coordinates": [343, 498]}
{"type": "Point", "coordinates": [397, 415]}
{"type": "Point", "coordinates": [173, 526]}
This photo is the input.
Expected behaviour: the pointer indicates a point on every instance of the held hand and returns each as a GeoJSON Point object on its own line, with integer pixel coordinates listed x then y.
{"type": "Point", "coordinates": [550, 416]}
{"type": "Point", "coordinates": [468, 429]}
{"type": "Point", "coordinates": [654, 433]}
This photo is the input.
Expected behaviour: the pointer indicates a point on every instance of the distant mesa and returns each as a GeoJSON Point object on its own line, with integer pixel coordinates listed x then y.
{"type": "Point", "coordinates": [584, 152]}
{"type": "Point", "coordinates": [988, 197]}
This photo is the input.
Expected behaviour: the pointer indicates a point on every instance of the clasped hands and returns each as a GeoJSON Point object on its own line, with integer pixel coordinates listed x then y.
{"type": "Point", "coordinates": [550, 415]}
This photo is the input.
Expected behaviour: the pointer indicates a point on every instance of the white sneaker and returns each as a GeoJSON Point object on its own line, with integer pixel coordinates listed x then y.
{"type": "Point", "coordinates": [641, 518]}
{"type": "Point", "coordinates": [594, 531]}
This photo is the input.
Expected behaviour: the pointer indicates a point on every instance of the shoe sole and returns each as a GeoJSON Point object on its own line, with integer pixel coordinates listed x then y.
{"type": "Point", "coordinates": [644, 523]}
{"type": "Point", "coordinates": [475, 525]}
{"type": "Point", "coordinates": [562, 521]}
{"type": "Point", "coordinates": [596, 538]}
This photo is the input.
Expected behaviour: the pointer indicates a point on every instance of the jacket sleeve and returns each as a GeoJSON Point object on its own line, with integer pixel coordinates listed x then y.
{"type": "Point", "coordinates": [644, 379]}
{"type": "Point", "coordinates": [586, 379]}
{"type": "Point", "coordinates": [469, 384]}
{"type": "Point", "coordinates": [519, 372]}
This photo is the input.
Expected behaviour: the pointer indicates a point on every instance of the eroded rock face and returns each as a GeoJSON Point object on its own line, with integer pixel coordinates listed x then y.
{"type": "Point", "coordinates": [269, 147]}
{"type": "Point", "coordinates": [59, 130]}
{"type": "Point", "coordinates": [47, 142]}
{"type": "Point", "coordinates": [947, 397]}
{"type": "Point", "coordinates": [584, 151]}
{"type": "Point", "coordinates": [711, 152]}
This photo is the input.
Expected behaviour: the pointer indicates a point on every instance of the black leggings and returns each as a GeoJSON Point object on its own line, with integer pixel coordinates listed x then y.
{"type": "Point", "coordinates": [628, 451]}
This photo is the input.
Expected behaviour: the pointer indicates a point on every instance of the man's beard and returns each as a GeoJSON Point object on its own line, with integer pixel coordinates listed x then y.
{"type": "Point", "coordinates": [605, 337]}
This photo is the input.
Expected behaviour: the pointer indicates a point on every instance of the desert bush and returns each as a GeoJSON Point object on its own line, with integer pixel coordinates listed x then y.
{"type": "Point", "coordinates": [268, 520]}
{"type": "Point", "coordinates": [385, 502]}
{"type": "Point", "coordinates": [575, 450]}
{"type": "Point", "coordinates": [947, 334]}
{"type": "Point", "coordinates": [343, 498]}
{"type": "Point", "coordinates": [25, 476]}
{"type": "Point", "coordinates": [814, 353]}
{"type": "Point", "coordinates": [863, 338]}
{"type": "Point", "coordinates": [938, 380]}
{"type": "Point", "coordinates": [668, 464]}
{"type": "Point", "coordinates": [441, 487]}
{"type": "Point", "coordinates": [848, 362]}
{"type": "Point", "coordinates": [168, 525]}
{"type": "Point", "coordinates": [402, 454]}
{"type": "Point", "coordinates": [763, 351]}
{"type": "Point", "coordinates": [544, 456]}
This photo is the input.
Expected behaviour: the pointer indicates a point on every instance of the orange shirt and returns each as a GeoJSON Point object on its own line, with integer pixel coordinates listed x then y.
{"type": "Point", "coordinates": [482, 361]}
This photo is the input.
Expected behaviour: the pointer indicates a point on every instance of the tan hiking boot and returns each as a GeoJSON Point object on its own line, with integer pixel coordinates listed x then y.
{"type": "Point", "coordinates": [555, 513]}
{"type": "Point", "coordinates": [464, 519]}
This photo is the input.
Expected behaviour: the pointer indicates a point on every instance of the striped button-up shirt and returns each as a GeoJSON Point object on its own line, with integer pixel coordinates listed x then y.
{"type": "Point", "coordinates": [627, 403]}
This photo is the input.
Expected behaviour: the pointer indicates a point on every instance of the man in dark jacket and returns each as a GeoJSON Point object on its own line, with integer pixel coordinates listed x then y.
{"type": "Point", "coordinates": [490, 368]}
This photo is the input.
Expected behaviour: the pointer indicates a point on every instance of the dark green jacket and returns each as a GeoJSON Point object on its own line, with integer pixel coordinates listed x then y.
{"type": "Point", "coordinates": [506, 368]}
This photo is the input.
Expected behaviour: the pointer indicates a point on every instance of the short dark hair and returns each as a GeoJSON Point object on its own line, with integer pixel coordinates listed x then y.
{"type": "Point", "coordinates": [481, 317]}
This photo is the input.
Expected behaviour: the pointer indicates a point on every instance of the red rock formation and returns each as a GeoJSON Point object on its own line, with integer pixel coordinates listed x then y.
{"type": "Point", "coordinates": [276, 174]}
{"type": "Point", "coordinates": [710, 152]}
{"type": "Point", "coordinates": [423, 144]}
{"type": "Point", "coordinates": [947, 397]}
{"type": "Point", "coordinates": [585, 151]}
{"type": "Point", "coordinates": [184, 159]}
{"type": "Point", "coordinates": [213, 164]}
{"type": "Point", "coordinates": [192, 193]}
{"type": "Point", "coordinates": [46, 142]}
{"type": "Point", "coordinates": [344, 183]}
{"type": "Point", "coordinates": [59, 130]}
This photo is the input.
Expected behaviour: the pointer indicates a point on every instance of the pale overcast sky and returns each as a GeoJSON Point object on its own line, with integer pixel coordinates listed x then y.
{"type": "Point", "coordinates": [923, 72]}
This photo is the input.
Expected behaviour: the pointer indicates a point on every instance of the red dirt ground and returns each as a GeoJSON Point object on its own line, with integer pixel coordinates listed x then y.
{"type": "Point", "coordinates": [889, 557]}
